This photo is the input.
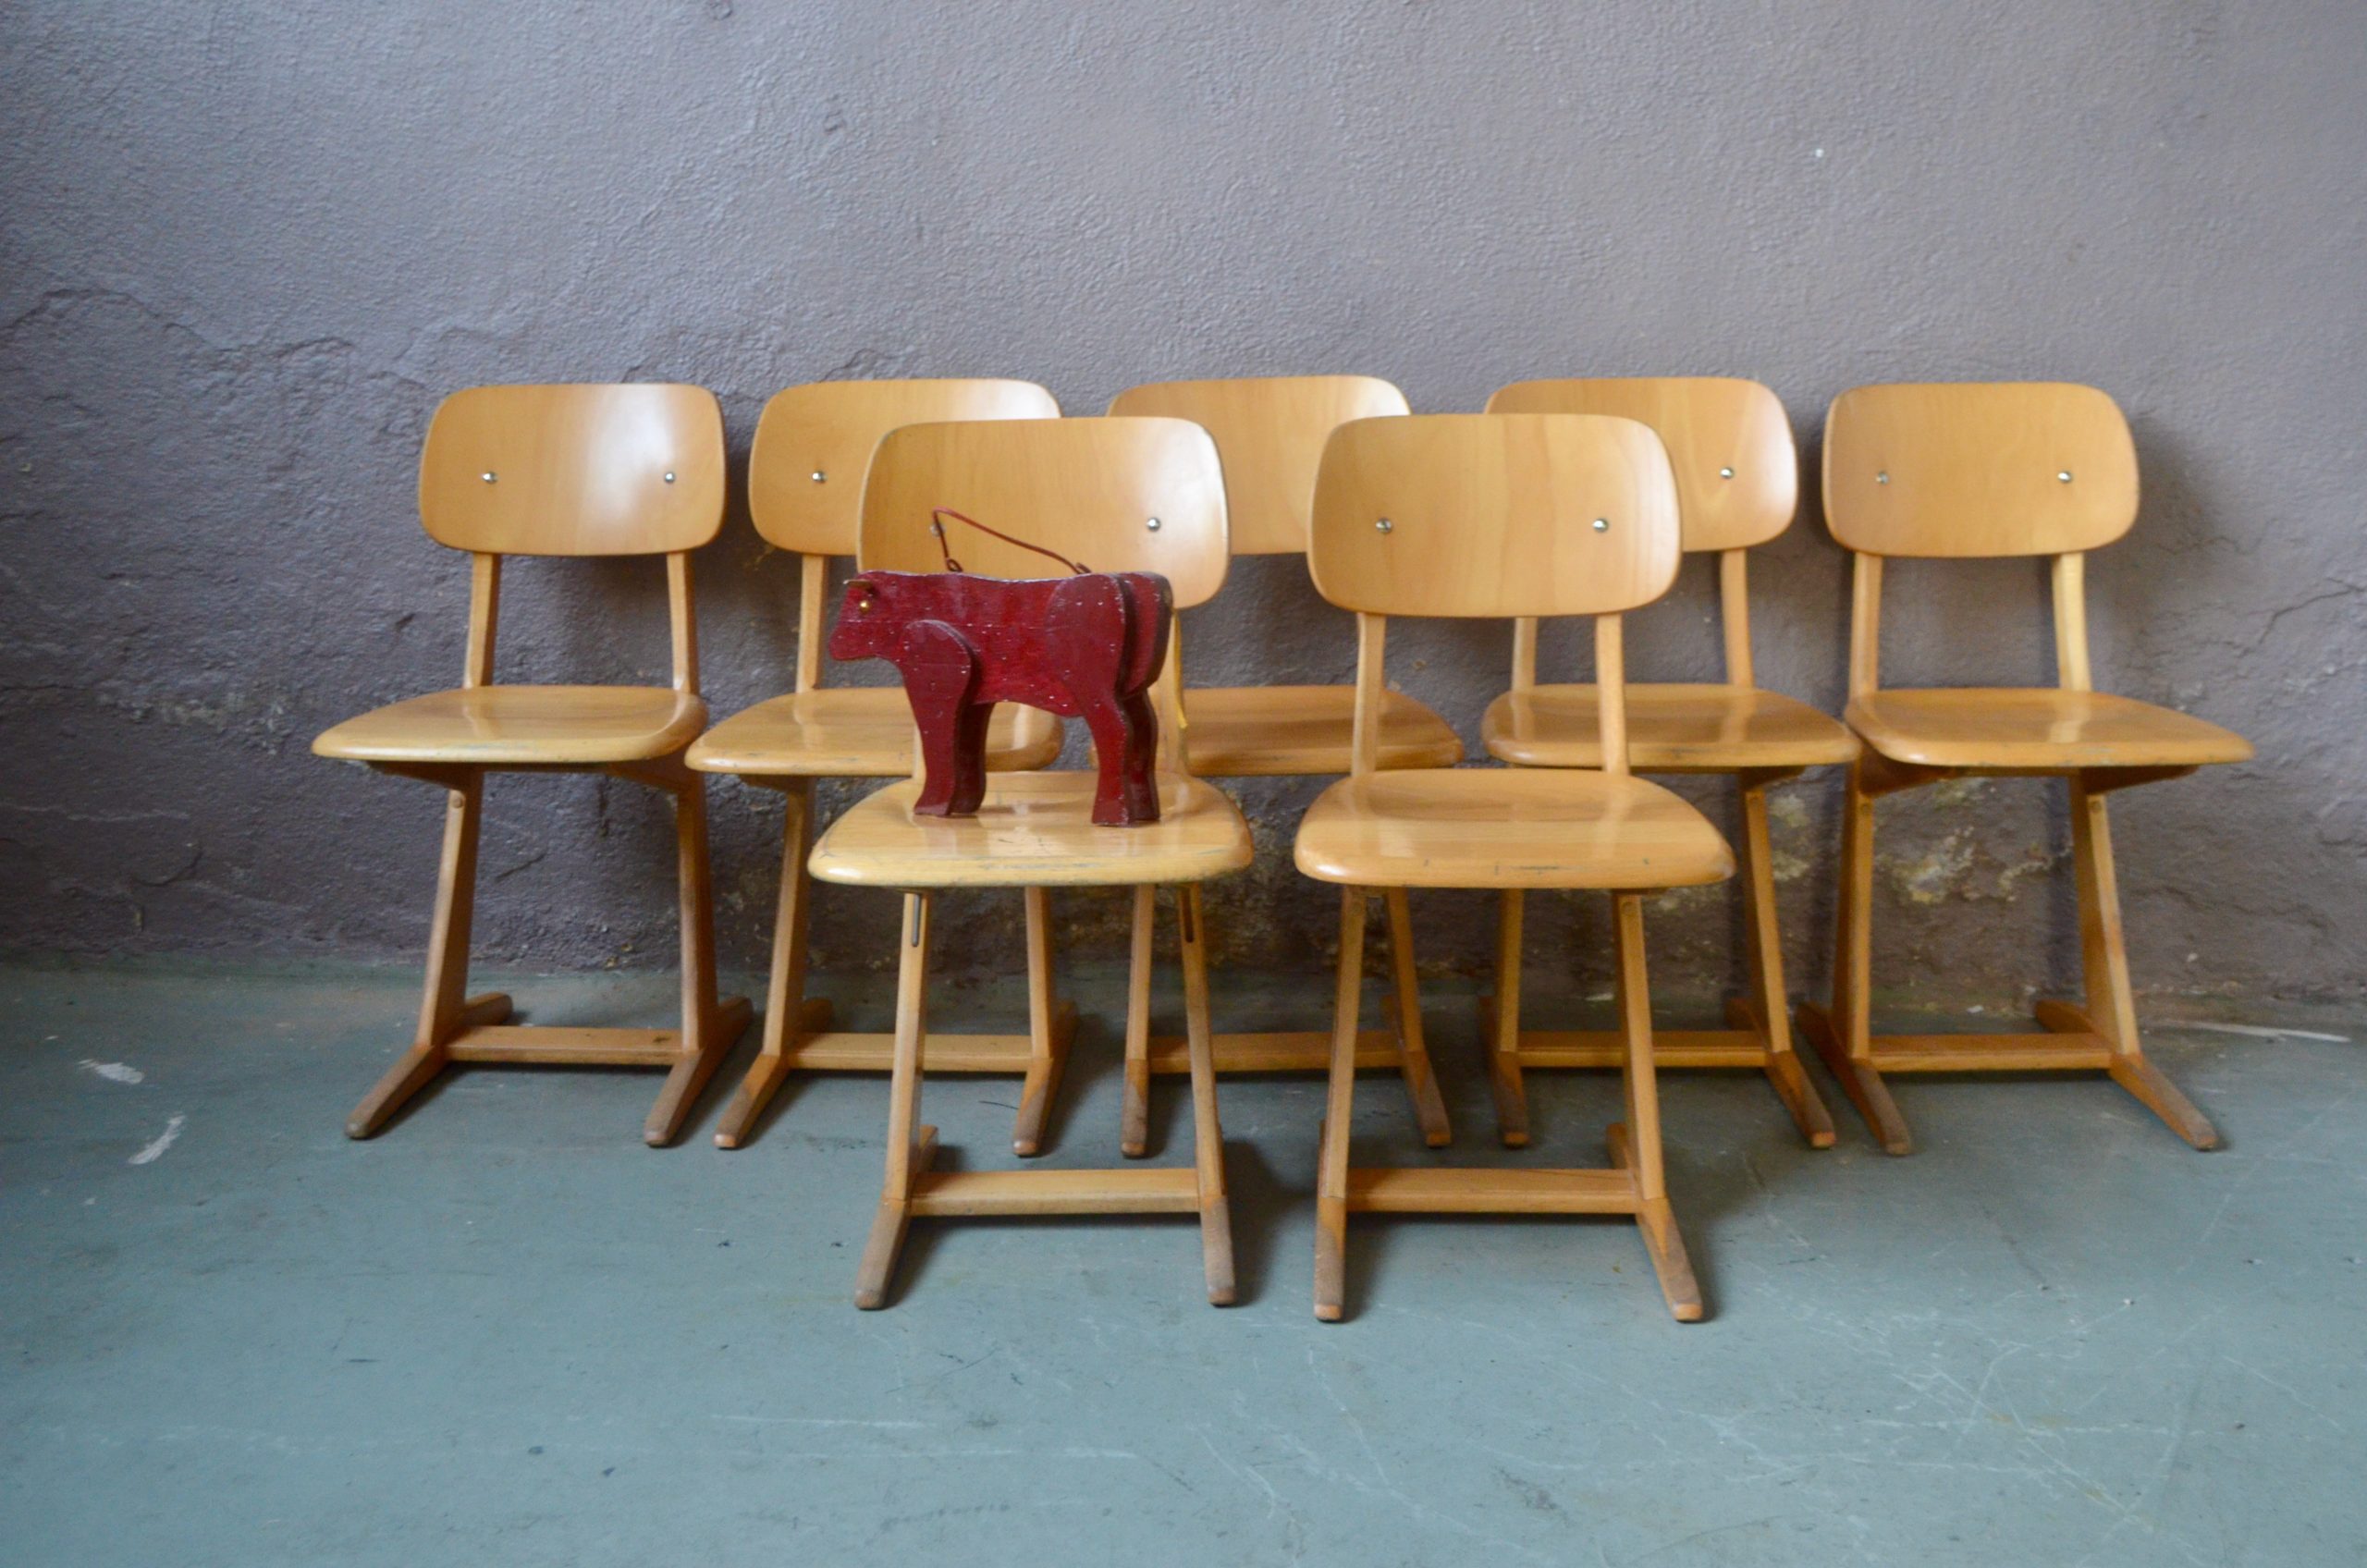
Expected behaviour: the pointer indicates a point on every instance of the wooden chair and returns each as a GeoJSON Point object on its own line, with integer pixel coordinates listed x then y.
{"type": "Point", "coordinates": [1088, 489]}
{"type": "Point", "coordinates": [805, 472]}
{"type": "Point", "coordinates": [1269, 432]}
{"type": "Point", "coordinates": [1973, 471]}
{"type": "Point", "coordinates": [1737, 482]}
{"type": "Point", "coordinates": [559, 471]}
{"type": "Point", "coordinates": [1501, 516]}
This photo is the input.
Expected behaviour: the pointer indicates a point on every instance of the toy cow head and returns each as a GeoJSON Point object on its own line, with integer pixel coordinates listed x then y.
{"type": "Point", "coordinates": [868, 619]}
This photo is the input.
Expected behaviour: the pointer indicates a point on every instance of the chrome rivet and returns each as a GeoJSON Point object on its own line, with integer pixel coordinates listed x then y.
{"type": "Point", "coordinates": [486, 476]}
{"type": "Point", "coordinates": [1882, 478]}
{"type": "Point", "coordinates": [2063, 476]}
{"type": "Point", "coordinates": [1602, 525]}
{"type": "Point", "coordinates": [1725, 473]}
{"type": "Point", "coordinates": [1384, 525]}
{"type": "Point", "coordinates": [669, 476]}
{"type": "Point", "coordinates": [819, 476]}
{"type": "Point", "coordinates": [1151, 524]}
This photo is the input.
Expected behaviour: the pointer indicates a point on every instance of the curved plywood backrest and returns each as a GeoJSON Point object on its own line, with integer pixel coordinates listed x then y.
{"type": "Point", "coordinates": [1269, 432]}
{"type": "Point", "coordinates": [1728, 440]}
{"type": "Point", "coordinates": [574, 469]}
{"type": "Point", "coordinates": [814, 445]}
{"type": "Point", "coordinates": [1114, 495]}
{"type": "Point", "coordinates": [1497, 515]}
{"type": "Point", "coordinates": [1972, 469]}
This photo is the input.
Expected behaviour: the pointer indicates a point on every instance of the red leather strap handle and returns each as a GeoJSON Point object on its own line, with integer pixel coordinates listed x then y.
{"type": "Point", "coordinates": [937, 526]}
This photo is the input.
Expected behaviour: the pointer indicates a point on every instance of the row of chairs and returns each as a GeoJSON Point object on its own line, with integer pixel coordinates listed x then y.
{"type": "Point", "coordinates": [1564, 498]}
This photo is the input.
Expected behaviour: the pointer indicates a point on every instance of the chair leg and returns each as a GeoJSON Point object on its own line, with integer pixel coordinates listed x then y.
{"type": "Point", "coordinates": [1421, 1082]}
{"type": "Point", "coordinates": [1047, 1030]}
{"type": "Point", "coordinates": [910, 1143]}
{"type": "Point", "coordinates": [1503, 1051]}
{"type": "Point", "coordinates": [445, 1010]}
{"type": "Point", "coordinates": [1207, 1134]}
{"type": "Point", "coordinates": [1844, 1037]}
{"type": "Point", "coordinates": [788, 1015]}
{"type": "Point", "coordinates": [1133, 1130]}
{"type": "Point", "coordinates": [2111, 1001]}
{"type": "Point", "coordinates": [1339, 1113]}
{"type": "Point", "coordinates": [1635, 1144]}
{"type": "Point", "coordinates": [709, 1027]}
{"type": "Point", "coordinates": [1770, 1008]}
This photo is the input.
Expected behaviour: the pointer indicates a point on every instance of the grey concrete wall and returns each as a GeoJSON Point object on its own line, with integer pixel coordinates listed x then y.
{"type": "Point", "coordinates": [245, 248]}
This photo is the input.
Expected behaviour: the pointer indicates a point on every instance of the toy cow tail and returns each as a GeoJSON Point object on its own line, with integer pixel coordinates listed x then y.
{"type": "Point", "coordinates": [1150, 608]}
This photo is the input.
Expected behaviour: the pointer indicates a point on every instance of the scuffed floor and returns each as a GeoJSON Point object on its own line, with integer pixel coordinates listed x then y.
{"type": "Point", "coordinates": [507, 1332]}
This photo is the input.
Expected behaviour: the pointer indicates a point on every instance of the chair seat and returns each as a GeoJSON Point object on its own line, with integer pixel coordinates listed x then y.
{"type": "Point", "coordinates": [1671, 728]}
{"type": "Point", "coordinates": [1033, 830]}
{"type": "Point", "coordinates": [1508, 827]}
{"type": "Point", "coordinates": [2036, 729]}
{"type": "Point", "coordinates": [523, 726]}
{"type": "Point", "coordinates": [1265, 731]}
{"type": "Point", "coordinates": [856, 732]}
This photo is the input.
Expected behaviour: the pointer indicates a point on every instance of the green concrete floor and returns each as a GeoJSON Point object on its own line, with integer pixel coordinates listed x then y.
{"type": "Point", "coordinates": [507, 1332]}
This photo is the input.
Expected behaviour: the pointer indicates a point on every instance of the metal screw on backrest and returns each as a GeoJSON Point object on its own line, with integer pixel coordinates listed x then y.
{"type": "Point", "coordinates": [1602, 525]}
{"type": "Point", "coordinates": [1151, 524]}
{"type": "Point", "coordinates": [486, 476]}
{"type": "Point", "coordinates": [819, 476]}
{"type": "Point", "coordinates": [1882, 478]}
{"type": "Point", "coordinates": [669, 476]}
{"type": "Point", "coordinates": [1384, 525]}
{"type": "Point", "coordinates": [2063, 476]}
{"type": "Point", "coordinates": [1725, 473]}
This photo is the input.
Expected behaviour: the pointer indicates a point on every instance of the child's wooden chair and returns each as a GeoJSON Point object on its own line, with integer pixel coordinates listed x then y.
{"type": "Point", "coordinates": [1270, 433]}
{"type": "Point", "coordinates": [1737, 483]}
{"type": "Point", "coordinates": [1501, 516]}
{"type": "Point", "coordinates": [559, 471]}
{"type": "Point", "coordinates": [1973, 471]}
{"type": "Point", "coordinates": [805, 472]}
{"type": "Point", "coordinates": [1088, 489]}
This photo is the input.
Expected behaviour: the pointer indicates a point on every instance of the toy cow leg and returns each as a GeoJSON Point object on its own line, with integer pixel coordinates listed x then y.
{"type": "Point", "coordinates": [1088, 629]}
{"type": "Point", "coordinates": [941, 672]}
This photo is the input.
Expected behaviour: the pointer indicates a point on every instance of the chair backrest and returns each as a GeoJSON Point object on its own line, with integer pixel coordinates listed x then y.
{"type": "Point", "coordinates": [1494, 515]}
{"type": "Point", "coordinates": [1737, 476]}
{"type": "Point", "coordinates": [814, 445]}
{"type": "Point", "coordinates": [1729, 443]}
{"type": "Point", "coordinates": [574, 469]}
{"type": "Point", "coordinates": [1970, 469]}
{"type": "Point", "coordinates": [1977, 468]}
{"type": "Point", "coordinates": [1111, 495]}
{"type": "Point", "coordinates": [1270, 433]}
{"type": "Point", "coordinates": [1114, 495]}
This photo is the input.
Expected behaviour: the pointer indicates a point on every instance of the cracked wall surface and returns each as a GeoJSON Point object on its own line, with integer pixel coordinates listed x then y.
{"type": "Point", "coordinates": [244, 250]}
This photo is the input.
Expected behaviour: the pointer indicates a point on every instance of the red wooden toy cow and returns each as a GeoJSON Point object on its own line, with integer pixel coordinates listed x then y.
{"type": "Point", "coordinates": [1087, 647]}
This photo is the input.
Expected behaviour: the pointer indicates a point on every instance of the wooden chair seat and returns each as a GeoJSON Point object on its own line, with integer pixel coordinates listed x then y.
{"type": "Point", "coordinates": [1672, 727]}
{"type": "Point", "coordinates": [856, 732]}
{"type": "Point", "coordinates": [1033, 830]}
{"type": "Point", "coordinates": [1267, 731]}
{"type": "Point", "coordinates": [1489, 827]}
{"type": "Point", "coordinates": [523, 726]}
{"type": "Point", "coordinates": [2039, 729]}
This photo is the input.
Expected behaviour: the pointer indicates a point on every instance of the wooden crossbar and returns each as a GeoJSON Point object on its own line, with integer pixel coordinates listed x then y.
{"type": "Point", "coordinates": [602, 1048]}
{"type": "Point", "coordinates": [1671, 1047]}
{"type": "Point", "coordinates": [1125, 1190]}
{"type": "Point", "coordinates": [1406, 1190]}
{"type": "Point", "coordinates": [846, 1050]}
{"type": "Point", "coordinates": [1305, 1050]}
{"type": "Point", "coordinates": [1991, 1053]}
